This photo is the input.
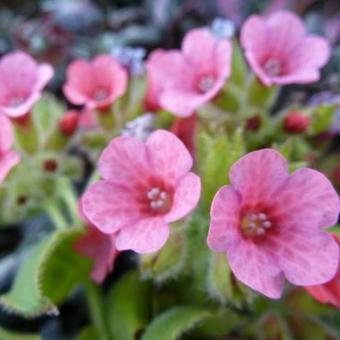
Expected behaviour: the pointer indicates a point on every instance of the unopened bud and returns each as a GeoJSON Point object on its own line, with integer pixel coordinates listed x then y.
{"type": "Point", "coordinates": [296, 122]}
{"type": "Point", "coordinates": [69, 123]}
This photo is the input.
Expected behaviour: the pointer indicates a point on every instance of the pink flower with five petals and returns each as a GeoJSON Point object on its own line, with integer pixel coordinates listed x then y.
{"type": "Point", "coordinates": [271, 224]}
{"type": "Point", "coordinates": [280, 52]}
{"type": "Point", "coordinates": [8, 158]}
{"type": "Point", "coordinates": [145, 187]}
{"type": "Point", "coordinates": [181, 81]}
{"type": "Point", "coordinates": [21, 83]}
{"type": "Point", "coordinates": [96, 84]}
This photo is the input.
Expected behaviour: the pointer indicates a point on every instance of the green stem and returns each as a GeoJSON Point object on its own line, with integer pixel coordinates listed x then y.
{"type": "Point", "coordinates": [69, 197]}
{"type": "Point", "coordinates": [56, 216]}
{"type": "Point", "coordinates": [95, 305]}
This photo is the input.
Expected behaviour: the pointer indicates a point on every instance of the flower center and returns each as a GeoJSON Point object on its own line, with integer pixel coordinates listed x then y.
{"type": "Point", "coordinates": [159, 200]}
{"type": "Point", "coordinates": [206, 83]}
{"type": "Point", "coordinates": [100, 94]}
{"type": "Point", "coordinates": [273, 67]}
{"type": "Point", "coordinates": [16, 101]}
{"type": "Point", "coordinates": [255, 224]}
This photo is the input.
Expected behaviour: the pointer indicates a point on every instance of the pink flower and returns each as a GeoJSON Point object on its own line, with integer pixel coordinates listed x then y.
{"type": "Point", "coordinates": [21, 83]}
{"type": "Point", "coordinates": [8, 158]}
{"type": "Point", "coordinates": [186, 129]}
{"type": "Point", "coordinates": [270, 224]}
{"type": "Point", "coordinates": [145, 187]}
{"type": "Point", "coordinates": [97, 246]}
{"type": "Point", "coordinates": [279, 50]}
{"type": "Point", "coordinates": [101, 248]}
{"type": "Point", "coordinates": [328, 292]}
{"type": "Point", "coordinates": [181, 81]}
{"type": "Point", "coordinates": [96, 84]}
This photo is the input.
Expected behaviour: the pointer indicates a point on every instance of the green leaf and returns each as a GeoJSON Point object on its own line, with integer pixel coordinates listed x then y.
{"type": "Point", "coordinates": [88, 333]}
{"type": "Point", "coordinates": [128, 306]}
{"type": "Point", "coordinates": [217, 154]}
{"type": "Point", "coordinates": [10, 335]}
{"type": "Point", "coordinates": [238, 69]}
{"type": "Point", "coordinates": [46, 276]}
{"type": "Point", "coordinates": [167, 262]}
{"type": "Point", "coordinates": [174, 322]}
{"type": "Point", "coordinates": [223, 286]}
{"type": "Point", "coordinates": [259, 95]}
{"type": "Point", "coordinates": [322, 118]}
{"type": "Point", "coordinates": [45, 115]}
{"type": "Point", "coordinates": [61, 261]}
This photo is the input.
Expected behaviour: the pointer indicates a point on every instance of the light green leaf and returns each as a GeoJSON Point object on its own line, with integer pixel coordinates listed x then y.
{"type": "Point", "coordinates": [174, 322]}
{"type": "Point", "coordinates": [10, 335]}
{"type": "Point", "coordinates": [46, 114]}
{"type": "Point", "coordinates": [167, 262]}
{"type": "Point", "coordinates": [217, 154]}
{"type": "Point", "coordinates": [239, 69]}
{"type": "Point", "coordinates": [88, 333]}
{"type": "Point", "coordinates": [322, 118]}
{"type": "Point", "coordinates": [128, 306]}
{"type": "Point", "coordinates": [47, 276]}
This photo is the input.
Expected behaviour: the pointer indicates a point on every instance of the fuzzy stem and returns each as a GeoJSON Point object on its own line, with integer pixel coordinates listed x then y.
{"type": "Point", "coordinates": [95, 305]}
{"type": "Point", "coordinates": [69, 197]}
{"type": "Point", "coordinates": [56, 216]}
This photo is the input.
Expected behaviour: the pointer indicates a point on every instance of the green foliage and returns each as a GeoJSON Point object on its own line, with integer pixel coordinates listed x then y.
{"type": "Point", "coordinates": [322, 118]}
{"type": "Point", "coordinates": [45, 115]}
{"type": "Point", "coordinates": [88, 333]}
{"type": "Point", "coordinates": [174, 322]}
{"type": "Point", "coordinates": [259, 95]}
{"type": "Point", "coordinates": [128, 306]}
{"type": "Point", "coordinates": [47, 276]}
{"type": "Point", "coordinates": [239, 69]}
{"type": "Point", "coordinates": [10, 335]}
{"type": "Point", "coordinates": [222, 284]}
{"type": "Point", "coordinates": [216, 155]}
{"type": "Point", "coordinates": [167, 262]}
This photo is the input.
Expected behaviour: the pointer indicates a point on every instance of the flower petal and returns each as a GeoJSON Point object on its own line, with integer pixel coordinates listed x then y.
{"type": "Point", "coordinates": [307, 257]}
{"type": "Point", "coordinates": [198, 46]}
{"type": "Point", "coordinates": [186, 197]}
{"type": "Point", "coordinates": [307, 196]}
{"type": "Point", "coordinates": [168, 156]}
{"type": "Point", "coordinates": [79, 86]}
{"type": "Point", "coordinates": [124, 161]}
{"type": "Point", "coordinates": [224, 224]}
{"type": "Point", "coordinates": [108, 206]}
{"type": "Point", "coordinates": [256, 267]}
{"type": "Point", "coordinates": [143, 236]}
{"type": "Point", "coordinates": [108, 73]}
{"type": "Point", "coordinates": [45, 74]}
{"type": "Point", "coordinates": [257, 175]}
{"type": "Point", "coordinates": [99, 247]}
{"type": "Point", "coordinates": [6, 134]}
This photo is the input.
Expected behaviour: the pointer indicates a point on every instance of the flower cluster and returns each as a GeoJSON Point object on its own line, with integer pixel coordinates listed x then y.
{"type": "Point", "coordinates": [161, 137]}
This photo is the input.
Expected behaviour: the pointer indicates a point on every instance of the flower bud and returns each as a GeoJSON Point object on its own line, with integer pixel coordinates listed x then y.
{"type": "Point", "coordinates": [68, 123]}
{"type": "Point", "coordinates": [296, 122]}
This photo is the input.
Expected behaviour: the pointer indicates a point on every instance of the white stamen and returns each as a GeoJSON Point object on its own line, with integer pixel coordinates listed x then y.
{"type": "Point", "coordinates": [163, 195]}
{"type": "Point", "coordinates": [153, 204]}
{"type": "Point", "coordinates": [260, 231]}
{"type": "Point", "coordinates": [253, 217]}
{"type": "Point", "coordinates": [267, 224]}
{"type": "Point", "coordinates": [262, 217]}
{"type": "Point", "coordinates": [206, 83]}
{"type": "Point", "coordinates": [252, 225]}
{"type": "Point", "coordinates": [273, 67]}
